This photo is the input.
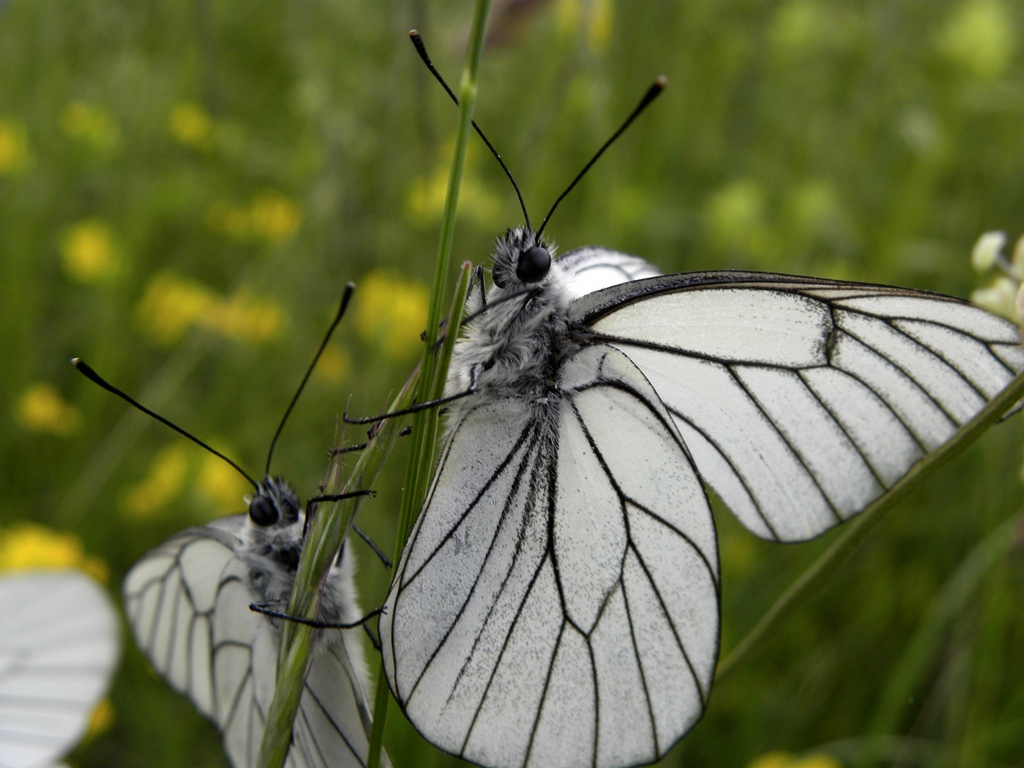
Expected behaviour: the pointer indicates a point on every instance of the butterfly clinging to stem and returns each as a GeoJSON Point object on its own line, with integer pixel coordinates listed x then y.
{"type": "Point", "coordinates": [188, 602]}
{"type": "Point", "coordinates": [557, 602]}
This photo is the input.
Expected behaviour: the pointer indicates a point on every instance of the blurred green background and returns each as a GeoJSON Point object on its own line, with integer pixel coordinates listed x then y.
{"type": "Point", "coordinates": [186, 187]}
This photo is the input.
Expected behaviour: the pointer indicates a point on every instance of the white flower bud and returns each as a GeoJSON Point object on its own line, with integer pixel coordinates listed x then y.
{"type": "Point", "coordinates": [987, 250]}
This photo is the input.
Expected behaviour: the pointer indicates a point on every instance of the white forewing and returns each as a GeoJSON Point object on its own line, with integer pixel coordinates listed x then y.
{"type": "Point", "coordinates": [557, 603]}
{"type": "Point", "coordinates": [590, 269]}
{"type": "Point", "coordinates": [801, 400]}
{"type": "Point", "coordinates": [188, 604]}
{"type": "Point", "coordinates": [58, 647]}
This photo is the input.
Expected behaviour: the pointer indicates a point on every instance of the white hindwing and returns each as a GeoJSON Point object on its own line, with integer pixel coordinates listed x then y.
{"type": "Point", "coordinates": [59, 645]}
{"type": "Point", "coordinates": [188, 604]}
{"type": "Point", "coordinates": [557, 602]}
{"type": "Point", "coordinates": [590, 269]}
{"type": "Point", "coordinates": [802, 401]}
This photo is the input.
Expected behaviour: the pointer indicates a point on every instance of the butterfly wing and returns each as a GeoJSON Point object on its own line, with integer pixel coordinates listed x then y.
{"type": "Point", "coordinates": [557, 602]}
{"type": "Point", "coordinates": [170, 596]}
{"type": "Point", "coordinates": [188, 604]}
{"type": "Point", "coordinates": [804, 400]}
{"type": "Point", "coordinates": [590, 269]}
{"type": "Point", "coordinates": [58, 648]}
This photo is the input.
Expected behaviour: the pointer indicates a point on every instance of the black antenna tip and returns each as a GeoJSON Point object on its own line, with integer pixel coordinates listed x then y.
{"type": "Point", "coordinates": [88, 372]}
{"type": "Point", "coordinates": [346, 297]}
{"type": "Point", "coordinates": [417, 41]}
{"type": "Point", "coordinates": [654, 91]}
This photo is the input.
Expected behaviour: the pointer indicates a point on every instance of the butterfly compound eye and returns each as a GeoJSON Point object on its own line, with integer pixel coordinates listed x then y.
{"type": "Point", "coordinates": [262, 512]}
{"type": "Point", "coordinates": [533, 264]}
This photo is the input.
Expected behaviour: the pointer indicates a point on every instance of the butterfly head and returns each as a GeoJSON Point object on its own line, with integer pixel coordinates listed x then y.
{"type": "Point", "coordinates": [274, 505]}
{"type": "Point", "coordinates": [521, 258]}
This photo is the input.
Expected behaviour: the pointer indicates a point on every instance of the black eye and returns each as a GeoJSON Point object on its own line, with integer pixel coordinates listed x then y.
{"type": "Point", "coordinates": [262, 512]}
{"type": "Point", "coordinates": [533, 265]}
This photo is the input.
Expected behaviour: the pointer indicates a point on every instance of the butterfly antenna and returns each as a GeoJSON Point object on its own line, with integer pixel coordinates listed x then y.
{"type": "Point", "coordinates": [652, 93]}
{"type": "Point", "coordinates": [320, 350]}
{"type": "Point", "coordinates": [95, 378]}
{"type": "Point", "coordinates": [421, 49]}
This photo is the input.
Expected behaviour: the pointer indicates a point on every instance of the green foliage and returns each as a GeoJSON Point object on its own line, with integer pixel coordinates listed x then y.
{"type": "Point", "coordinates": [185, 189]}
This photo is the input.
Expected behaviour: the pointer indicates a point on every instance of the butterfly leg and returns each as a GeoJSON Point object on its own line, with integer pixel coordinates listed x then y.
{"type": "Point", "coordinates": [413, 408]}
{"type": "Point", "coordinates": [360, 446]}
{"type": "Point", "coordinates": [266, 611]}
{"type": "Point", "coordinates": [372, 545]}
{"type": "Point", "coordinates": [314, 500]}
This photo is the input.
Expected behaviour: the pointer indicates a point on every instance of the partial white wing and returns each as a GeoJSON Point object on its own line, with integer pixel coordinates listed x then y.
{"type": "Point", "coordinates": [557, 602]}
{"type": "Point", "coordinates": [58, 647]}
{"type": "Point", "coordinates": [803, 400]}
{"type": "Point", "coordinates": [188, 604]}
{"type": "Point", "coordinates": [590, 269]}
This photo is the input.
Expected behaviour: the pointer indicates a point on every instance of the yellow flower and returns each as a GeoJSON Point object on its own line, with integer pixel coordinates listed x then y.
{"type": "Point", "coordinates": [772, 760]}
{"type": "Point", "coordinates": [171, 305]}
{"type": "Point", "coordinates": [101, 719]}
{"type": "Point", "coordinates": [91, 124]}
{"type": "Point", "coordinates": [87, 251]}
{"type": "Point", "coordinates": [427, 195]}
{"type": "Point", "coordinates": [13, 148]}
{"type": "Point", "coordinates": [245, 318]}
{"type": "Point", "coordinates": [594, 18]}
{"type": "Point", "coordinates": [270, 216]}
{"type": "Point", "coordinates": [41, 409]}
{"type": "Point", "coordinates": [979, 38]}
{"type": "Point", "coordinates": [191, 125]}
{"type": "Point", "coordinates": [599, 28]}
{"type": "Point", "coordinates": [221, 483]}
{"type": "Point", "coordinates": [391, 313]}
{"type": "Point", "coordinates": [274, 217]}
{"type": "Point", "coordinates": [163, 483]}
{"type": "Point", "coordinates": [27, 546]}
{"type": "Point", "coordinates": [787, 760]}
{"type": "Point", "coordinates": [333, 365]}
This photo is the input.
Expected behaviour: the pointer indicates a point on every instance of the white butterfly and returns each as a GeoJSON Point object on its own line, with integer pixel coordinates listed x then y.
{"type": "Point", "coordinates": [557, 601]}
{"type": "Point", "coordinates": [188, 604]}
{"type": "Point", "coordinates": [58, 648]}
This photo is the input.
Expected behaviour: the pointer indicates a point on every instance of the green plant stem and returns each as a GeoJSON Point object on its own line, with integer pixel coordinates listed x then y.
{"type": "Point", "coordinates": [327, 532]}
{"type": "Point", "coordinates": [857, 530]}
{"type": "Point", "coordinates": [434, 368]}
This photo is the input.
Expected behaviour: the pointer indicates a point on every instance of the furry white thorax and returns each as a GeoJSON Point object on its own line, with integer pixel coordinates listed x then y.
{"type": "Point", "coordinates": [512, 347]}
{"type": "Point", "coordinates": [272, 554]}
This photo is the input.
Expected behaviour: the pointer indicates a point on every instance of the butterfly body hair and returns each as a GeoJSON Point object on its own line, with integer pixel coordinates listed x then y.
{"type": "Point", "coordinates": [271, 553]}
{"type": "Point", "coordinates": [514, 345]}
